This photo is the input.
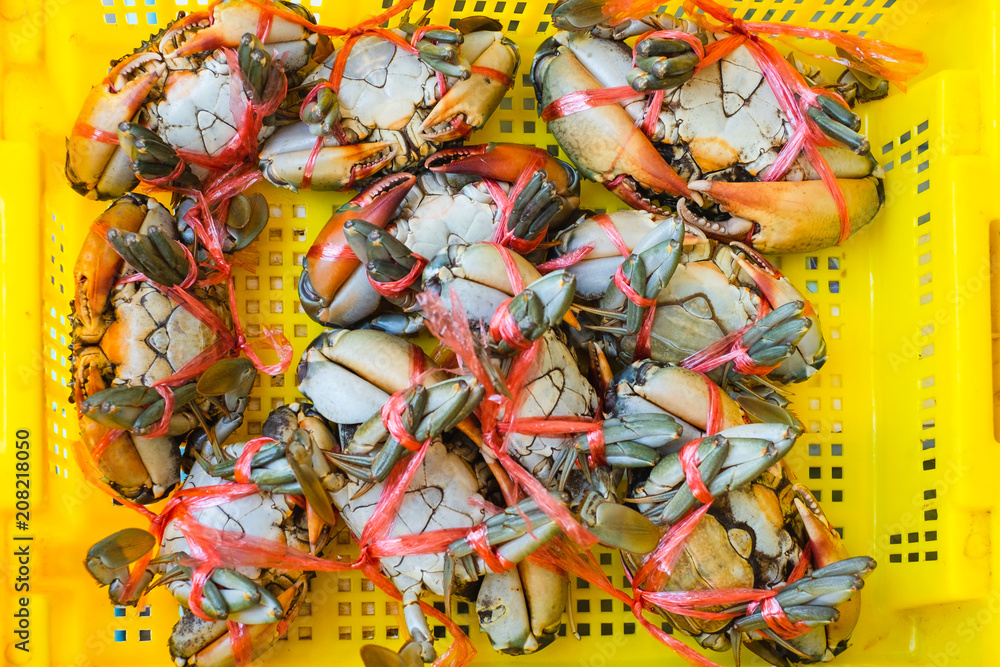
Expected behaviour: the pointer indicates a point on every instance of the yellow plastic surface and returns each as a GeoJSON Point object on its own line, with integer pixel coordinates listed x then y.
{"type": "Point", "coordinates": [900, 425]}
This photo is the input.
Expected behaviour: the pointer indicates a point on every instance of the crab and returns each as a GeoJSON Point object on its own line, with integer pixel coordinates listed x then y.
{"type": "Point", "coordinates": [719, 130]}
{"type": "Point", "coordinates": [752, 537]}
{"type": "Point", "coordinates": [129, 336]}
{"type": "Point", "coordinates": [447, 203]}
{"type": "Point", "coordinates": [257, 597]}
{"type": "Point", "coordinates": [388, 112]}
{"type": "Point", "coordinates": [170, 100]}
{"type": "Point", "coordinates": [705, 291]}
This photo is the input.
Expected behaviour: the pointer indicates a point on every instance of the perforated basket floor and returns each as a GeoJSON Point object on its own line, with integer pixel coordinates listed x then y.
{"type": "Point", "coordinates": [900, 430]}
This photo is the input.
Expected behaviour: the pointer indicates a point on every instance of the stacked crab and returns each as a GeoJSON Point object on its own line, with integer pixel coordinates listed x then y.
{"type": "Point", "coordinates": [505, 379]}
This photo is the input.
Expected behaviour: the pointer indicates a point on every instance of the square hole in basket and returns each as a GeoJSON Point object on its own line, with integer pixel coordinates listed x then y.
{"type": "Point", "coordinates": [344, 632]}
{"type": "Point", "coordinates": [391, 632]}
{"type": "Point", "coordinates": [277, 283]}
{"type": "Point", "coordinates": [253, 283]}
{"type": "Point", "coordinates": [439, 632]}
{"type": "Point", "coordinates": [583, 606]}
{"type": "Point", "coordinates": [145, 635]}
{"type": "Point", "coordinates": [367, 585]}
{"type": "Point", "coordinates": [367, 608]}
{"type": "Point", "coordinates": [462, 608]}
{"type": "Point", "coordinates": [343, 608]}
{"type": "Point", "coordinates": [391, 608]}
{"type": "Point", "coordinates": [120, 635]}
{"type": "Point", "coordinates": [306, 609]}
{"type": "Point", "coordinates": [301, 331]}
{"type": "Point", "coordinates": [607, 606]}
{"type": "Point", "coordinates": [305, 633]}
{"type": "Point", "coordinates": [278, 381]}
{"type": "Point", "coordinates": [344, 585]}
{"type": "Point", "coordinates": [368, 632]}
{"type": "Point", "coordinates": [815, 450]}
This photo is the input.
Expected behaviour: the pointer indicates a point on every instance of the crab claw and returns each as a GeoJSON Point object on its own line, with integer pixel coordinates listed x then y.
{"type": "Point", "coordinates": [96, 168]}
{"type": "Point", "coordinates": [580, 15]}
{"type": "Point", "coordinates": [98, 265]}
{"type": "Point", "coordinates": [505, 162]}
{"type": "Point", "coordinates": [470, 102]}
{"type": "Point", "coordinates": [232, 19]}
{"type": "Point", "coordinates": [788, 216]}
{"type": "Point", "coordinates": [826, 550]}
{"type": "Point", "coordinates": [286, 155]}
{"type": "Point", "coordinates": [603, 141]}
{"type": "Point", "coordinates": [321, 288]}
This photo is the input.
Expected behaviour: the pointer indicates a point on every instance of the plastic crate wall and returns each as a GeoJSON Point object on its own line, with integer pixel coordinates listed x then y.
{"type": "Point", "coordinates": [899, 422]}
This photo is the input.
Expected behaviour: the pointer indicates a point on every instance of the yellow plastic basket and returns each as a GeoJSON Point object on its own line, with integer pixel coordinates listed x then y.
{"type": "Point", "coordinates": [900, 422]}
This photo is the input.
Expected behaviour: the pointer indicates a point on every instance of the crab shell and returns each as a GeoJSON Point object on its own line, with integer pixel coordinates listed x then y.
{"type": "Point", "coordinates": [715, 290]}
{"type": "Point", "coordinates": [722, 125]}
{"type": "Point", "coordinates": [553, 387]}
{"type": "Point", "coordinates": [444, 493]}
{"type": "Point", "coordinates": [349, 375]}
{"type": "Point", "coordinates": [392, 111]}
{"type": "Point", "coordinates": [751, 537]}
{"type": "Point", "coordinates": [133, 334]}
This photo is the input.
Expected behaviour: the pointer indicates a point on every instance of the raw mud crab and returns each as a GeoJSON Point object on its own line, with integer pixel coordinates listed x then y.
{"type": "Point", "coordinates": [394, 104]}
{"type": "Point", "coordinates": [719, 130]}
{"type": "Point", "coordinates": [705, 292]}
{"type": "Point", "coordinates": [262, 599]}
{"type": "Point", "coordinates": [449, 203]}
{"type": "Point", "coordinates": [136, 339]}
{"type": "Point", "coordinates": [164, 112]}
{"type": "Point", "coordinates": [754, 535]}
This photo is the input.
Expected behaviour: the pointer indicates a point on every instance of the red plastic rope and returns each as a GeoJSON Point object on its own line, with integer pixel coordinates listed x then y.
{"type": "Point", "coordinates": [394, 288]}
{"type": "Point", "coordinates": [504, 328]}
{"type": "Point", "coordinates": [82, 129]}
{"type": "Point", "coordinates": [332, 252]}
{"type": "Point", "coordinates": [566, 260]}
{"type": "Point", "coordinates": [689, 463]}
{"type": "Point", "coordinates": [392, 417]}
{"type": "Point", "coordinates": [477, 539]}
{"type": "Point", "coordinates": [245, 460]}
{"type": "Point", "coordinates": [642, 345]}
{"type": "Point", "coordinates": [494, 74]}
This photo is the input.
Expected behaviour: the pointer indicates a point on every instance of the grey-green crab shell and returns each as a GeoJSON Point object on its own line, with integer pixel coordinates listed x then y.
{"type": "Point", "coordinates": [443, 210]}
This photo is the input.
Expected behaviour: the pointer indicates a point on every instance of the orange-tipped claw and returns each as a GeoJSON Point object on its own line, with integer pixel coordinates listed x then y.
{"type": "Point", "coordinates": [503, 162]}
{"type": "Point", "coordinates": [334, 167]}
{"type": "Point", "coordinates": [115, 101]}
{"type": "Point", "coordinates": [231, 20]}
{"type": "Point", "coordinates": [375, 205]}
{"type": "Point", "coordinates": [795, 216]}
